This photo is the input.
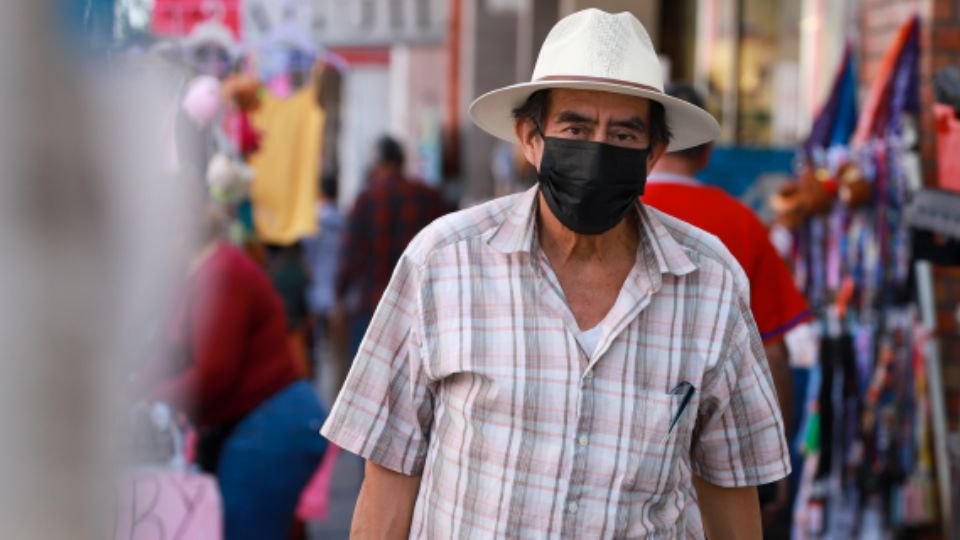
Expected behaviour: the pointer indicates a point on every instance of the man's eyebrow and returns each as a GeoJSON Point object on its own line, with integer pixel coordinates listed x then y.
{"type": "Point", "coordinates": [573, 117]}
{"type": "Point", "coordinates": [634, 122]}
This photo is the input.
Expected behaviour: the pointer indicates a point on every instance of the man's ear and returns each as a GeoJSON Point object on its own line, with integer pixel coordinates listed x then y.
{"type": "Point", "coordinates": [655, 154]}
{"type": "Point", "coordinates": [531, 144]}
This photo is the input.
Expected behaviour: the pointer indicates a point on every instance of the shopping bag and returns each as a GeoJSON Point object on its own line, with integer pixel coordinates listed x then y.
{"type": "Point", "coordinates": [315, 499]}
{"type": "Point", "coordinates": [160, 496]}
{"type": "Point", "coordinates": [166, 505]}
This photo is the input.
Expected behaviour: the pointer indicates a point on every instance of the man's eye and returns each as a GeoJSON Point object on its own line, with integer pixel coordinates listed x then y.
{"type": "Point", "coordinates": [574, 130]}
{"type": "Point", "coordinates": [624, 137]}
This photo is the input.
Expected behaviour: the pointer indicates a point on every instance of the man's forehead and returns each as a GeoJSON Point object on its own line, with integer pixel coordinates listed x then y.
{"type": "Point", "coordinates": [596, 101]}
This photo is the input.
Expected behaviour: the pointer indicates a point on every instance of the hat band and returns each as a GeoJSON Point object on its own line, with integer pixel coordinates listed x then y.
{"type": "Point", "coordinates": [584, 78]}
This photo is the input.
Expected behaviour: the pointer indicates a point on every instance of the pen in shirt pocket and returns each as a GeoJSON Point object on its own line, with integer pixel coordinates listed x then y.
{"type": "Point", "coordinates": [687, 389]}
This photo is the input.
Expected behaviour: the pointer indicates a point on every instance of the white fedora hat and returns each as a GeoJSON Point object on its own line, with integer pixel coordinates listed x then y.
{"type": "Point", "coordinates": [596, 50]}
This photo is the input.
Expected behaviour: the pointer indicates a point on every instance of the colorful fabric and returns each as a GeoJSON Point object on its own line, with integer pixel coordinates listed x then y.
{"type": "Point", "coordinates": [471, 376]}
{"type": "Point", "coordinates": [384, 220]}
{"type": "Point", "coordinates": [287, 167]}
{"type": "Point", "coordinates": [776, 303]}
{"type": "Point", "coordinates": [837, 118]}
{"type": "Point", "coordinates": [242, 134]}
{"type": "Point", "coordinates": [894, 87]}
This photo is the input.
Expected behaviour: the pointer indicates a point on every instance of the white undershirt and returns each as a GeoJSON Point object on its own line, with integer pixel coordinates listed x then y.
{"type": "Point", "coordinates": [589, 339]}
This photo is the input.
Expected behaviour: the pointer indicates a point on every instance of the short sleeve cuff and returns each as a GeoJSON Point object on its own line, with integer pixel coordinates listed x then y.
{"type": "Point", "coordinates": [754, 476]}
{"type": "Point", "coordinates": [388, 452]}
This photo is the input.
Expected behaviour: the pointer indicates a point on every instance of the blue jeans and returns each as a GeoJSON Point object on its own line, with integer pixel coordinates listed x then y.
{"type": "Point", "coordinates": [267, 461]}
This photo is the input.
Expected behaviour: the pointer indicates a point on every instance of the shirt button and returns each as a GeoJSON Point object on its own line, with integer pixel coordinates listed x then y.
{"type": "Point", "coordinates": [583, 440]}
{"type": "Point", "coordinates": [573, 507]}
{"type": "Point", "coordinates": [589, 375]}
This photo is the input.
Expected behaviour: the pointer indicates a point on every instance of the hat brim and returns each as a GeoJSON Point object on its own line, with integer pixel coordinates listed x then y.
{"type": "Point", "coordinates": [689, 125]}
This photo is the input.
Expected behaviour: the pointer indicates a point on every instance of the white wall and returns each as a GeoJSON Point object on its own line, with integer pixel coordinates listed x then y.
{"type": "Point", "coordinates": [366, 116]}
{"type": "Point", "coordinates": [418, 84]}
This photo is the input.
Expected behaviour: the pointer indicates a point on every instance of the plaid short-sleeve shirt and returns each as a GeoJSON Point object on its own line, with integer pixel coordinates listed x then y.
{"type": "Point", "coordinates": [471, 375]}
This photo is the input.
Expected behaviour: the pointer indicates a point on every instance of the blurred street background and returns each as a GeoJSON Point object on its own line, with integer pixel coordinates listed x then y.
{"type": "Point", "coordinates": [170, 161]}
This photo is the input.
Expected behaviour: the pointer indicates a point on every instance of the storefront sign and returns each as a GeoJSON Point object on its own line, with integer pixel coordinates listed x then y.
{"type": "Point", "coordinates": [178, 17]}
{"type": "Point", "coordinates": [357, 23]}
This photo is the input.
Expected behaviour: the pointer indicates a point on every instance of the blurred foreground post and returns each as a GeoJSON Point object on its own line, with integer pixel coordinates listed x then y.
{"type": "Point", "coordinates": [87, 232]}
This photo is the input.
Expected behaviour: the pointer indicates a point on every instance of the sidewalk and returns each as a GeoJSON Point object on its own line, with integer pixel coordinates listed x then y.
{"type": "Point", "coordinates": [347, 475]}
{"type": "Point", "coordinates": [344, 488]}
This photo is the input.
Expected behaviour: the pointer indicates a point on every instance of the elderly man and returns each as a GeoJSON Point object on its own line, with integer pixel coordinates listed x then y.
{"type": "Point", "coordinates": [566, 362]}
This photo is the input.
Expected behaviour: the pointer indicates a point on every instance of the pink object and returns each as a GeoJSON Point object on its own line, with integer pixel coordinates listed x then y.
{"type": "Point", "coordinates": [190, 439]}
{"type": "Point", "coordinates": [242, 134]}
{"type": "Point", "coordinates": [315, 499]}
{"type": "Point", "coordinates": [166, 505]}
{"type": "Point", "coordinates": [202, 100]}
{"type": "Point", "coordinates": [281, 86]}
{"type": "Point", "coordinates": [948, 147]}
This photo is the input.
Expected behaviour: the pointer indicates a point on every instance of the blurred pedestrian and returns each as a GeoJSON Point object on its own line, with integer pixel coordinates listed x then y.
{"type": "Point", "coordinates": [567, 362]}
{"type": "Point", "coordinates": [290, 276]}
{"type": "Point", "coordinates": [776, 303]}
{"type": "Point", "coordinates": [226, 361]}
{"type": "Point", "coordinates": [323, 259]}
{"type": "Point", "coordinates": [385, 218]}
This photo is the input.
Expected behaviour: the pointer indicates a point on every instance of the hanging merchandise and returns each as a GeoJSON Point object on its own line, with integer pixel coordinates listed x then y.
{"type": "Point", "coordinates": [934, 216]}
{"type": "Point", "coordinates": [241, 91]}
{"type": "Point", "coordinates": [211, 49]}
{"type": "Point", "coordinates": [287, 166]}
{"type": "Point", "coordinates": [201, 101]}
{"type": "Point", "coordinates": [204, 144]}
{"type": "Point", "coordinates": [191, 133]}
{"type": "Point", "coordinates": [866, 440]}
{"type": "Point", "coordinates": [838, 117]}
{"type": "Point", "coordinates": [286, 57]}
{"type": "Point", "coordinates": [229, 179]}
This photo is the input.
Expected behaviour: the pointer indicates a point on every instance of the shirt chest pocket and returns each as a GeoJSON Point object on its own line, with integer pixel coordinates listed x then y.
{"type": "Point", "coordinates": [660, 434]}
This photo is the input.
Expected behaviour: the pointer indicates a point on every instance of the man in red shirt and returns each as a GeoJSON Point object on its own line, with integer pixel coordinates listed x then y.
{"type": "Point", "coordinates": [776, 303]}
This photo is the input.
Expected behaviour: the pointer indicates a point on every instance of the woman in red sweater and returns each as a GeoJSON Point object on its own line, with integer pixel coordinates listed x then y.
{"type": "Point", "coordinates": [228, 364]}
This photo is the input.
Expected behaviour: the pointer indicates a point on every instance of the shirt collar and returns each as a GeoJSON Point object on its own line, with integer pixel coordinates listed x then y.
{"type": "Point", "coordinates": [670, 255]}
{"type": "Point", "coordinates": [671, 178]}
{"type": "Point", "coordinates": [518, 231]}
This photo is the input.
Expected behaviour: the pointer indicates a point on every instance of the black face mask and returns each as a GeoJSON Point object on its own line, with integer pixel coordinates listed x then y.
{"type": "Point", "coordinates": [591, 186]}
